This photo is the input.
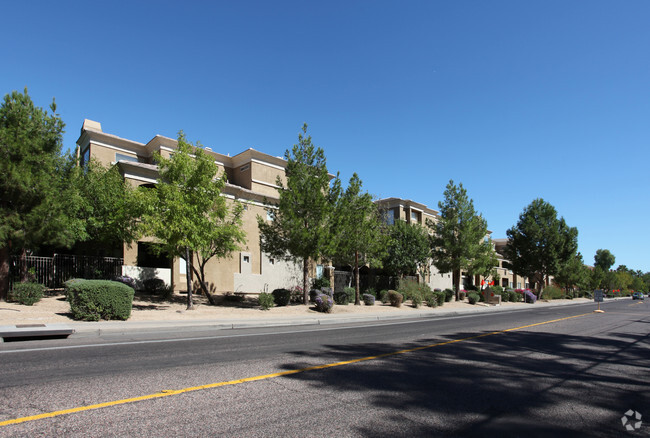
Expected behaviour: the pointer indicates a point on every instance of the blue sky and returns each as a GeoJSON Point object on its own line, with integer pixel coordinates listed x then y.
{"type": "Point", "coordinates": [516, 100]}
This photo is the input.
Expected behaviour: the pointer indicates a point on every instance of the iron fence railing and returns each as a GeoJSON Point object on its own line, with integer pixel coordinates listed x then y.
{"type": "Point", "coordinates": [54, 271]}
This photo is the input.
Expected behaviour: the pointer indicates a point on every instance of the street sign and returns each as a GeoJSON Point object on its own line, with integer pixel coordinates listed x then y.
{"type": "Point", "coordinates": [598, 296]}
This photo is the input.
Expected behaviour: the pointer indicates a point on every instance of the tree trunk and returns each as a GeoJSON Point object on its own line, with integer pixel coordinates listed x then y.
{"type": "Point", "coordinates": [204, 287]}
{"type": "Point", "coordinates": [24, 273]}
{"type": "Point", "coordinates": [305, 280]}
{"type": "Point", "coordinates": [5, 258]}
{"type": "Point", "coordinates": [188, 276]}
{"type": "Point", "coordinates": [357, 300]}
{"type": "Point", "coordinates": [456, 278]}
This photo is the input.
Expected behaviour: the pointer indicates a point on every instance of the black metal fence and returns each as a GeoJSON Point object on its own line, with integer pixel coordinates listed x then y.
{"type": "Point", "coordinates": [343, 279]}
{"type": "Point", "coordinates": [54, 271]}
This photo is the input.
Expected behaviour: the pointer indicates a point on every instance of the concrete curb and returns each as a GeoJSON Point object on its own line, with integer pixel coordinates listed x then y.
{"type": "Point", "coordinates": [87, 329]}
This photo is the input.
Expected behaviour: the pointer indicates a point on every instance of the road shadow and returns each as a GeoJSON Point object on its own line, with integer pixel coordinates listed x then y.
{"type": "Point", "coordinates": [514, 384]}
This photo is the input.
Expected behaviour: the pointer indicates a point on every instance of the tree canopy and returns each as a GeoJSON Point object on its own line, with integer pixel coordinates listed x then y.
{"type": "Point", "coordinates": [408, 251]}
{"type": "Point", "coordinates": [30, 180]}
{"type": "Point", "coordinates": [540, 243]}
{"type": "Point", "coordinates": [187, 213]}
{"type": "Point", "coordinates": [460, 237]}
{"type": "Point", "coordinates": [604, 259]}
{"type": "Point", "coordinates": [301, 225]}
{"type": "Point", "coordinates": [358, 231]}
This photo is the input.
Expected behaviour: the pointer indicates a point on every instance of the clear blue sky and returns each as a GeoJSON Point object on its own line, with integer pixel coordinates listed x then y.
{"type": "Point", "coordinates": [515, 99]}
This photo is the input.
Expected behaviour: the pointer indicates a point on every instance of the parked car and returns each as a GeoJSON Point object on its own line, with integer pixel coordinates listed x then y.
{"type": "Point", "coordinates": [637, 296]}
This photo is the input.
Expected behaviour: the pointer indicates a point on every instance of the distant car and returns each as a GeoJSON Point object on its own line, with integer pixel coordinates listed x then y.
{"type": "Point", "coordinates": [637, 296]}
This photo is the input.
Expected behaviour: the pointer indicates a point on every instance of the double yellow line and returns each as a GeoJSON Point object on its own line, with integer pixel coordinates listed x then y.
{"type": "Point", "coordinates": [168, 393]}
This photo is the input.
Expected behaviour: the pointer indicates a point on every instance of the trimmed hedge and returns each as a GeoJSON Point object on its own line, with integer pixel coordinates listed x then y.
{"type": "Point", "coordinates": [281, 297]}
{"type": "Point", "coordinates": [369, 299]}
{"type": "Point", "coordinates": [449, 294]}
{"type": "Point", "coordinates": [473, 298]}
{"type": "Point", "coordinates": [27, 293]}
{"type": "Point", "coordinates": [92, 300]}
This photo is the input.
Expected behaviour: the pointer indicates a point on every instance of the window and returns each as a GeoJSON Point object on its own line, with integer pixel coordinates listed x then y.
{"type": "Point", "coordinates": [245, 167]}
{"type": "Point", "coordinates": [415, 216]}
{"type": "Point", "coordinates": [149, 257]}
{"type": "Point", "coordinates": [122, 157]}
{"type": "Point", "coordinates": [247, 259]}
{"type": "Point", "coordinates": [269, 215]}
{"type": "Point", "coordinates": [85, 156]}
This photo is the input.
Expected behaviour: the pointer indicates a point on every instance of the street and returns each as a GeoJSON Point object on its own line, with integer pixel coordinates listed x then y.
{"type": "Point", "coordinates": [561, 371]}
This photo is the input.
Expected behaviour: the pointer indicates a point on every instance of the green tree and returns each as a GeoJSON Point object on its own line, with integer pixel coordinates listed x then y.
{"type": "Point", "coordinates": [31, 179]}
{"type": "Point", "coordinates": [408, 249]}
{"type": "Point", "coordinates": [540, 243]}
{"type": "Point", "coordinates": [604, 259]}
{"type": "Point", "coordinates": [187, 213]}
{"type": "Point", "coordinates": [573, 273]}
{"type": "Point", "coordinates": [459, 240]}
{"type": "Point", "coordinates": [358, 230]}
{"type": "Point", "coordinates": [109, 207]}
{"type": "Point", "coordinates": [300, 229]}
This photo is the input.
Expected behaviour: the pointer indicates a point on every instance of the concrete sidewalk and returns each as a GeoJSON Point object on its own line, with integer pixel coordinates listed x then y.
{"type": "Point", "coordinates": [86, 329]}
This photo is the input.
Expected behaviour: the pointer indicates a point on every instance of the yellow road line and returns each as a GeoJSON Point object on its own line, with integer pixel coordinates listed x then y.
{"type": "Point", "coordinates": [167, 393]}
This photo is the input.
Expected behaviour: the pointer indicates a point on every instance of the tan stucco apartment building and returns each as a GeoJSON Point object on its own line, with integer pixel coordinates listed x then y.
{"type": "Point", "coordinates": [251, 180]}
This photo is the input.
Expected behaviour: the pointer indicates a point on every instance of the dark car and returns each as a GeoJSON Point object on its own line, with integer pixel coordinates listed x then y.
{"type": "Point", "coordinates": [637, 296]}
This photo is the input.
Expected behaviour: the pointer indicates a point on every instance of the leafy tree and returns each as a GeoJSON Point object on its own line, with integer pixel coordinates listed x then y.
{"type": "Point", "coordinates": [573, 273]}
{"type": "Point", "coordinates": [604, 259]}
{"type": "Point", "coordinates": [408, 249]}
{"type": "Point", "coordinates": [187, 213]}
{"type": "Point", "coordinates": [108, 205]}
{"type": "Point", "coordinates": [459, 240]}
{"type": "Point", "coordinates": [31, 178]}
{"type": "Point", "coordinates": [358, 231]}
{"type": "Point", "coordinates": [300, 229]}
{"type": "Point", "coordinates": [540, 243]}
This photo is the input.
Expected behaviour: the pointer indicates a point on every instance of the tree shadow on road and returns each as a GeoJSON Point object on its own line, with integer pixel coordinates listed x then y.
{"type": "Point", "coordinates": [519, 383]}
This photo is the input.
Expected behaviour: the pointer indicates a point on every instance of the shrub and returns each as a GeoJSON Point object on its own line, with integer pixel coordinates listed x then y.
{"type": "Point", "coordinates": [265, 300]}
{"type": "Point", "coordinates": [383, 296]}
{"type": "Point", "coordinates": [449, 294]}
{"type": "Point", "coordinates": [440, 297]}
{"type": "Point", "coordinates": [371, 291]}
{"type": "Point", "coordinates": [352, 294]}
{"type": "Point", "coordinates": [296, 295]}
{"type": "Point", "coordinates": [324, 303]}
{"type": "Point", "coordinates": [129, 281]}
{"type": "Point", "coordinates": [27, 293]}
{"type": "Point", "coordinates": [92, 300]}
{"type": "Point", "coordinates": [395, 298]}
{"type": "Point", "coordinates": [341, 298]}
{"type": "Point", "coordinates": [319, 283]}
{"type": "Point", "coordinates": [498, 290]}
{"type": "Point", "coordinates": [313, 294]}
{"type": "Point", "coordinates": [416, 299]}
{"type": "Point", "coordinates": [552, 293]}
{"type": "Point", "coordinates": [369, 299]}
{"type": "Point", "coordinates": [328, 291]}
{"type": "Point", "coordinates": [432, 300]}
{"type": "Point", "coordinates": [473, 298]}
{"type": "Point", "coordinates": [462, 295]}
{"type": "Point", "coordinates": [281, 297]}
{"type": "Point", "coordinates": [154, 286]}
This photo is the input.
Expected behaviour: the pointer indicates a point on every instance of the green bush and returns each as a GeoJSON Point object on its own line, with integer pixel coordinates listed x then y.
{"type": "Point", "coordinates": [498, 290]}
{"type": "Point", "coordinates": [440, 297]}
{"type": "Point", "coordinates": [414, 291]}
{"type": "Point", "coordinates": [462, 295]}
{"type": "Point", "coordinates": [432, 300]}
{"type": "Point", "coordinates": [395, 298]}
{"type": "Point", "coordinates": [352, 294]}
{"type": "Point", "coordinates": [416, 299]}
{"type": "Point", "coordinates": [319, 283]}
{"type": "Point", "coordinates": [92, 300]}
{"type": "Point", "coordinates": [281, 297]}
{"type": "Point", "coordinates": [265, 300]}
{"type": "Point", "coordinates": [383, 296]}
{"type": "Point", "coordinates": [552, 293]}
{"type": "Point", "coordinates": [473, 298]}
{"type": "Point", "coordinates": [27, 293]}
{"type": "Point", "coordinates": [341, 298]}
{"type": "Point", "coordinates": [154, 286]}
{"type": "Point", "coordinates": [369, 299]}
{"type": "Point", "coordinates": [371, 291]}
{"type": "Point", "coordinates": [449, 294]}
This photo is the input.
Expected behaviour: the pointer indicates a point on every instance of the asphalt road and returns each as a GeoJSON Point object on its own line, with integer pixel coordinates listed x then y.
{"type": "Point", "coordinates": [561, 371]}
